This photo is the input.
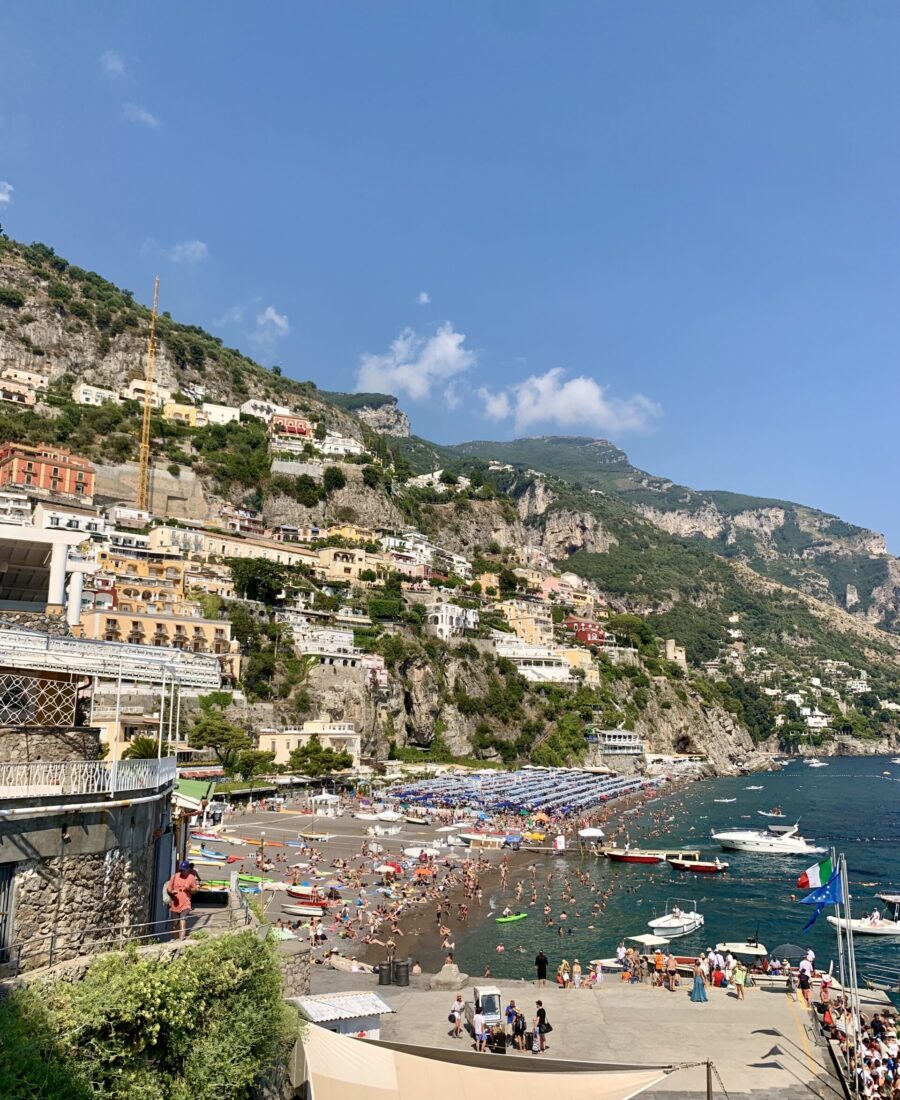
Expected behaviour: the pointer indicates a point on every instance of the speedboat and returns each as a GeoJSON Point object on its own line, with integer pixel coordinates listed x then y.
{"type": "Point", "coordinates": [896, 760]}
{"type": "Point", "coordinates": [698, 866]}
{"type": "Point", "coordinates": [873, 924]}
{"type": "Point", "coordinates": [789, 843]}
{"type": "Point", "coordinates": [759, 788]}
{"type": "Point", "coordinates": [724, 800]}
{"type": "Point", "coordinates": [817, 764]}
{"type": "Point", "coordinates": [677, 921]}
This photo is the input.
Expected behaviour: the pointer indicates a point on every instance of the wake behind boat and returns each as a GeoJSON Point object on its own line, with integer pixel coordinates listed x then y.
{"type": "Point", "coordinates": [789, 843]}
{"type": "Point", "coordinates": [724, 800]}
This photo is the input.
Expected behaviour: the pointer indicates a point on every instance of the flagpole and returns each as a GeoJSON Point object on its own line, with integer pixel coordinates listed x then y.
{"type": "Point", "coordinates": [841, 930]}
{"type": "Point", "coordinates": [854, 997]}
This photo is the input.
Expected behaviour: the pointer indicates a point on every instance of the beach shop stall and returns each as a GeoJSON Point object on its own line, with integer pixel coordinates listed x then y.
{"type": "Point", "coordinates": [355, 1014]}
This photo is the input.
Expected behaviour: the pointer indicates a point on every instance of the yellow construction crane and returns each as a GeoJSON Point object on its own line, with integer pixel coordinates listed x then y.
{"type": "Point", "coordinates": [143, 492]}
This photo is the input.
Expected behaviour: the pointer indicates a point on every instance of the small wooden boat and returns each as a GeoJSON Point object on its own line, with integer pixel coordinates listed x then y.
{"type": "Point", "coordinates": [632, 855]}
{"type": "Point", "coordinates": [417, 820]}
{"type": "Point", "coordinates": [303, 910]}
{"type": "Point", "coordinates": [699, 866]}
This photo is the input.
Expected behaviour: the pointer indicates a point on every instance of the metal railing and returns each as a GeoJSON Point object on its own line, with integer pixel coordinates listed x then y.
{"type": "Point", "coordinates": [36, 700]}
{"type": "Point", "coordinates": [29, 649]}
{"type": "Point", "coordinates": [63, 946]}
{"type": "Point", "coordinates": [85, 777]}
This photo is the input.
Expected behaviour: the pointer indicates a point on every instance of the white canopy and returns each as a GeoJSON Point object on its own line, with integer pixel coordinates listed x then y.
{"type": "Point", "coordinates": [591, 832]}
{"type": "Point", "coordinates": [390, 815]}
{"type": "Point", "coordinates": [648, 939]}
{"type": "Point", "coordinates": [756, 949]}
{"type": "Point", "coordinates": [414, 852]}
{"type": "Point", "coordinates": [326, 798]}
{"type": "Point", "coordinates": [342, 1068]}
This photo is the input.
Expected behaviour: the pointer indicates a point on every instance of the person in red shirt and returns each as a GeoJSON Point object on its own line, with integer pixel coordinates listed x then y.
{"type": "Point", "coordinates": [181, 886]}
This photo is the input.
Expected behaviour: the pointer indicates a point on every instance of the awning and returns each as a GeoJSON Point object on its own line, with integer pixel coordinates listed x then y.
{"type": "Point", "coordinates": [341, 1068]}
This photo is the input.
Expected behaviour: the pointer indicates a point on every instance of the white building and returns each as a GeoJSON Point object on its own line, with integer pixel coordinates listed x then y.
{"type": "Point", "coordinates": [220, 414]}
{"type": "Point", "coordinates": [433, 481]}
{"type": "Point", "coordinates": [448, 620]}
{"type": "Point", "coordinates": [14, 507]}
{"type": "Point", "coordinates": [860, 684]}
{"type": "Point", "coordinates": [339, 736]}
{"type": "Point", "coordinates": [86, 394]}
{"type": "Point", "coordinates": [334, 647]}
{"type": "Point", "coordinates": [617, 742]}
{"type": "Point", "coordinates": [137, 388]}
{"type": "Point", "coordinates": [334, 445]}
{"type": "Point", "coordinates": [538, 663]}
{"type": "Point", "coordinates": [263, 409]}
{"type": "Point", "coordinates": [32, 379]}
{"type": "Point", "coordinates": [86, 520]}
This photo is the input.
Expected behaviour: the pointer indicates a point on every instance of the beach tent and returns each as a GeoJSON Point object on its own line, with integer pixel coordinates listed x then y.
{"type": "Point", "coordinates": [338, 1067]}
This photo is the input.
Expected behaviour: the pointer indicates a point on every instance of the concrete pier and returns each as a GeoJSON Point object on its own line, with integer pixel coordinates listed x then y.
{"type": "Point", "coordinates": [764, 1048]}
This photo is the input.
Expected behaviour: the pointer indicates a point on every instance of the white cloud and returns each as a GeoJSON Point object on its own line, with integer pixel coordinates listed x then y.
{"type": "Point", "coordinates": [271, 326]}
{"type": "Point", "coordinates": [423, 298]}
{"type": "Point", "coordinates": [273, 321]}
{"type": "Point", "coordinates": [112, 64]}
{"type": "Point", "coordinates": [233, 315]}
{"type": "Point", "coordinates": [133, 112]}
{"type": "Point", "coordinates": [452, 398]}
{"type": "Point", "coordinates": [188, 252]}
{"type": "Point", "coordinates": [6, 190]}
{"type": "Point", "coordinates": [415, 364]}
{"type": "Point", "coordinates": [496, 405]}
{"type": "Point", "coordinates": [574, 403]}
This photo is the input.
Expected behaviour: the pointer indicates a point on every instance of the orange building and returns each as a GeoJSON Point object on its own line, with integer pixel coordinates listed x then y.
{"type": "Point", "coordinates": [290, 425]}
{"type": "Point", "coordinates": [43, 469]}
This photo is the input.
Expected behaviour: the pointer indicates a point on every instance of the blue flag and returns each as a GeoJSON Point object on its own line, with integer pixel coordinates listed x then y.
{"type": "Point", "coordinates": [831, 893]}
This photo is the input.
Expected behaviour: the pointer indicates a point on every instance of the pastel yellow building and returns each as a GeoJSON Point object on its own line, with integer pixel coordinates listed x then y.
{"type": "Point", "coordinates": [201, 545]}
{"type": "Point", "coordinates": [177, 413]}
{"type": "Point", "coordinates": [338, 563]}
{"type": "Point", "coordinates": [340, 736]}
{"type": "Point", "coordinates": [531, 621]}
{"type": "Point", "coordinates": [579, 658]}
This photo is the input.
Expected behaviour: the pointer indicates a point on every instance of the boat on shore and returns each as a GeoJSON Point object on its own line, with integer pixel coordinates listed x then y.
{"type": "Point", "coordinates": [632, 855]}
{"type": "Point", "coordinates": [699, 866]}
{"type": "Point", "coordinates": [677, 921]}
{"type": "Point", "coordinates": [788, 843]}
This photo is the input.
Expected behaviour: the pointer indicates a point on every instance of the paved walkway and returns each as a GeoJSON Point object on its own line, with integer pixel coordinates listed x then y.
{"type": "Point", "coordinates": [764, 1048]}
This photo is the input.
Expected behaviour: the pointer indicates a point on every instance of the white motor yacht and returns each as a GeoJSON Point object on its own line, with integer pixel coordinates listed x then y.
{"type": "Point", "coordinates": [788, 843]}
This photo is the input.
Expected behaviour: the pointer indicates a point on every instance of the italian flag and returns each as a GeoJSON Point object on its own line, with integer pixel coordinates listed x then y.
{"type": "Point", "coordinates": [817, 875]}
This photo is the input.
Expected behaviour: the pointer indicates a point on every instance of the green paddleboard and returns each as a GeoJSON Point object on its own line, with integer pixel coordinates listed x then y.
{"type": "Point", "coordinates": [509, 920]}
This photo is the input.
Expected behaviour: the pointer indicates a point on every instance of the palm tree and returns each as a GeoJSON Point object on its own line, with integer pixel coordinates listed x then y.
{"type": "Point", "coordinates": [144, 748]}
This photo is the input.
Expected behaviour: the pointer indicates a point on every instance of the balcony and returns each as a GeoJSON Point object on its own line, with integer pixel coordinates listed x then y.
{"type": "Point", "coordinates": [83, 778]}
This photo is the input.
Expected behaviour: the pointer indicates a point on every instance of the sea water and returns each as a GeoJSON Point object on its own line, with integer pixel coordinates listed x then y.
{"type": "Point", "coordinates": [849, 805]}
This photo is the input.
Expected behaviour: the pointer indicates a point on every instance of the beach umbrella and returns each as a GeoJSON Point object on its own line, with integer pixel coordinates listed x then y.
{"type": "Point", "coordinates": [648, 940]}
{"type": "Point", "coordinates": [541, 817]}
{"type": "Point", "coordinates": [591, 832]}
{"type": "Point", "coordinates": [788, 951]}
{"type": "Point", "coordinates": [387, 869]}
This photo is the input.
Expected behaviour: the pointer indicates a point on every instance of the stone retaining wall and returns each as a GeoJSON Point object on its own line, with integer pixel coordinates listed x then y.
{"type": "Point", "coordinates": [49, 744]}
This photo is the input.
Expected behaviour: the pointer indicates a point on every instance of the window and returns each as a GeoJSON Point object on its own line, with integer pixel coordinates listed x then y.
{"type": "Point", "coordinates": [79, 489]}
{"type": "Point", "coordinates": [272, 744]}
{"type": "Point", "coordinates": [55, 471]}
{"type": "Point", "coordinates": [54, 521]}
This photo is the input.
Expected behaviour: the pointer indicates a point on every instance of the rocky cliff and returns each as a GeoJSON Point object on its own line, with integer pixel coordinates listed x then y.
{"type": "Point", "coordinates": [387, 419]}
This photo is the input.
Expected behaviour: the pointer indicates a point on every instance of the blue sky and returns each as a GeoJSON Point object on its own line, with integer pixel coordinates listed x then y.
{"type": "Point", "coordinates": [674, 225]}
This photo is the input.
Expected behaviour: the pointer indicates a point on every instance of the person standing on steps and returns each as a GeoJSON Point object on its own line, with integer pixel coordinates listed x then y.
{"type": "Point", "coordinates": [541, 964]}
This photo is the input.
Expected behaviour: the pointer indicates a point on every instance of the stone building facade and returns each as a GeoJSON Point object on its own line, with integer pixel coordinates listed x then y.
{"type": "Point", "coordinates": [85, 844]}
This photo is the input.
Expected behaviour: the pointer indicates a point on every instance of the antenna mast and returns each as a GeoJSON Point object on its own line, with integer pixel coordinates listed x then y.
{"type": "Point", "coordinates": [143, 491]}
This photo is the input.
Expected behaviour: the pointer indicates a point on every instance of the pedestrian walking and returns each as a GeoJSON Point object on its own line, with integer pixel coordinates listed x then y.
{"type": "Point", "coordinates": [698, 993]}
{"type": "Point", "coordinates": [456, 1016]}
{"type": "Point", "coordinates": [179, 889]}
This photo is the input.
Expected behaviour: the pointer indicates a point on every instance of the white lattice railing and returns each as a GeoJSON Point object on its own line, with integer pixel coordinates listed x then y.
{"type": "Point", "coordinates": [36, 700]}
{"type": "Point", "coordinates": [85, 777]}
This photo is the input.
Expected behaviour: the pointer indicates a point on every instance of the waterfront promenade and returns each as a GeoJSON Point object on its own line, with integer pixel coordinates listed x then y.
{"type": "Point", "coordinates": [763, 1049]}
